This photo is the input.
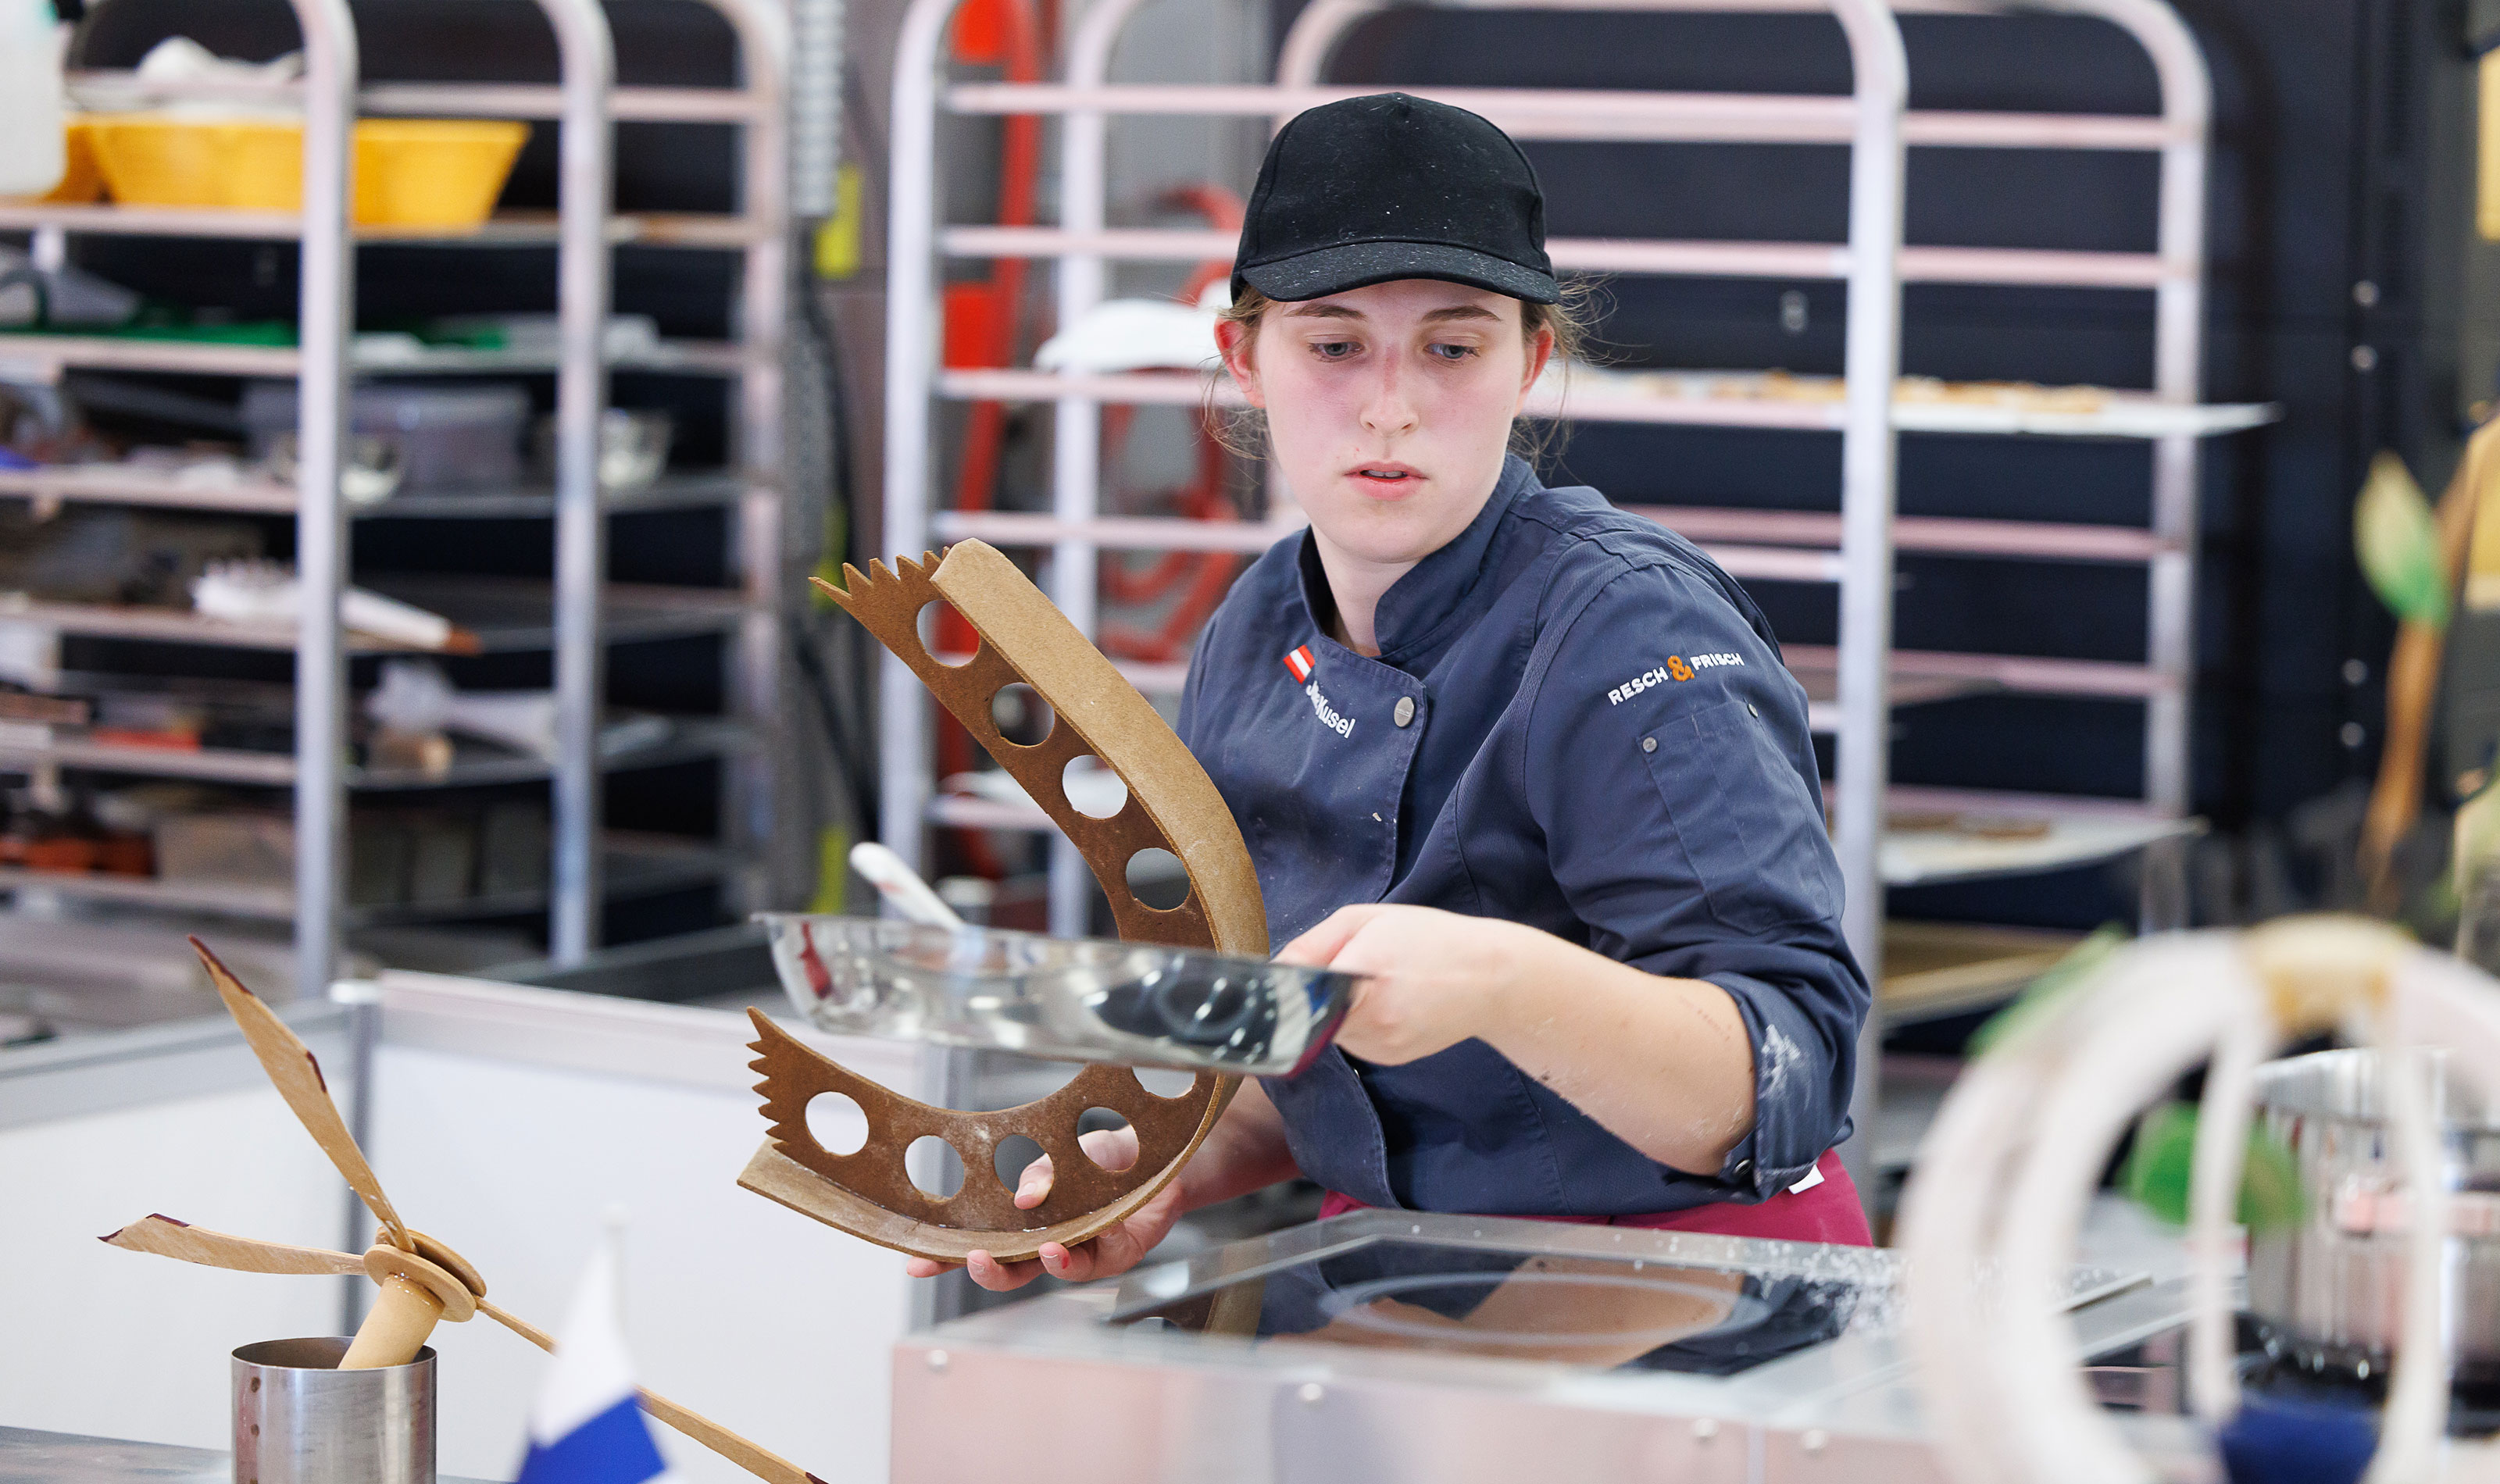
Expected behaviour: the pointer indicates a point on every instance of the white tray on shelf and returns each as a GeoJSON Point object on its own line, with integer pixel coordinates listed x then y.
{"type": "Point", "coordinates": [687, 739]}
{"type": "Point", "coordinates": [244, 489]}
{"type": "Point", "coordinates": [637, 865]}
{"type": "Point", "coordinates": [374, 354]}
{"type": "Point", "coordinates": [501, 613]}
{"type": "Point", "coordinates": [2078, 831]}
{"type": "Point", "coordinates": [1699, 399]}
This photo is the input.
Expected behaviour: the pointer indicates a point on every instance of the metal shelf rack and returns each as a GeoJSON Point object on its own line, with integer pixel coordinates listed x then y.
{"type": "Point", "coordinates": [1758, 545]}
{"type": "Point", "coordinates": [109, 352]}
{"type": "Point", "coordinates": [501, 613]}
{"type": "Point", "coordinates": [579, 614]}
{"type": "Point", "coordinates": [636, 864]}
{"type": "Point", "coordinates": [115, 484]}
{"type": "Point", "coordinates": [505, 229]}
{"type": "Point", "coordinates": [1854, 549]}
{"type": "Point", "coordinates": [689, 738]}
{"type": "Point", "coordinates": [2168, 419]}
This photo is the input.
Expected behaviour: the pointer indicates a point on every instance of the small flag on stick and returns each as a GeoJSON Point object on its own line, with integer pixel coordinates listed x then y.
{"type": "Point", "coordinates": [587, 1427]}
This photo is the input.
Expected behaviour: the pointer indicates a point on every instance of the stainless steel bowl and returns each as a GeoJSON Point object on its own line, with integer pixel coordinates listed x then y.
{"type": "Point", "coordinates": [1079, 999]}
{"type": "Point", "coordinates": [2329, 1293]}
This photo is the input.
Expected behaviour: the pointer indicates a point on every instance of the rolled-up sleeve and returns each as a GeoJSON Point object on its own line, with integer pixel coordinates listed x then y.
{"type": "Point", "coordinates": [1670, 768]}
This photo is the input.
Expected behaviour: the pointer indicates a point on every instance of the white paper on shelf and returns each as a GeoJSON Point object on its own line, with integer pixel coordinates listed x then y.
{"type": "Point", "coordinates": [182, 467]}
{"type": "Point", "coordinates": [265, 592]}
{"type": "Point", "coordinates": [415, 697]}
{"type": "Point", "coordinates": [30, 654]}
{"type": "Point", "coordinates": [180, 62]}
{"type": "Point", "coordinates": [1129, 334]}
{"type": "Point", "coordinates": [383, 347]}
{"type": "Point", "coordinates": [387, 617]}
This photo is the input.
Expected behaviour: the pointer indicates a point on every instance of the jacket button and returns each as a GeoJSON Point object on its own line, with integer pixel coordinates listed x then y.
{"type": "Point", "coordinates": [1649, 744]}
{"type": "Point", "coordinates": [1405, 711]}
{"type": "Point", "coordinates": [1742, 1173]}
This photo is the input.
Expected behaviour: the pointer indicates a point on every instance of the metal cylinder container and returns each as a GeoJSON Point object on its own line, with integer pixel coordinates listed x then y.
{"type": "Point", "coordinates": [298, 1419]}
{"type": "Point", "coordinates": [2328, 1293]}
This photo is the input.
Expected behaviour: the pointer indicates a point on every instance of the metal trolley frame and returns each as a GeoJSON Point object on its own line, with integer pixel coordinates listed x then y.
{"type": "Point", "coordinates": [587, 101]}
{"type": "Point", "coordinates": [1855, 551]}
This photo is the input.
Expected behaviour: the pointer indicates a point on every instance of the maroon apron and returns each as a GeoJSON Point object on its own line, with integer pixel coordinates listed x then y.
{"type": "Point", "coordinates": [1826, 1210]}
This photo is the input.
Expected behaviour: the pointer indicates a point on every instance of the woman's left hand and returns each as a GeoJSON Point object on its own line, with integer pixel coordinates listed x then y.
{"type": "Point", "coordinates": [1433, 979]}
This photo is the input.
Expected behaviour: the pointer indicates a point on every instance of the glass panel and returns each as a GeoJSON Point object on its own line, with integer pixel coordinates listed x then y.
{"type": "Point", "coordinates": [1605, 1314]}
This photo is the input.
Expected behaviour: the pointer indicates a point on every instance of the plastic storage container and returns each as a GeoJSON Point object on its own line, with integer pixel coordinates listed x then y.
{"type": "Point", "coordinates": [82, 181]}
{"type": "Point", "coordinates": [31, 141]}
{"type": "Point", "coordinates": [161, 160]}
{"type": "Point", "coordinates": [432, 173]}
{"type": "Point", "coordinates": [423, 174]}
{"type": "Point", "coordinates": [447, 437]}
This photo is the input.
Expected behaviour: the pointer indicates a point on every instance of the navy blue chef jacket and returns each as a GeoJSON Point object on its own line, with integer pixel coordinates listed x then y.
{"type": "Point", "coordinates": [1576, 722]}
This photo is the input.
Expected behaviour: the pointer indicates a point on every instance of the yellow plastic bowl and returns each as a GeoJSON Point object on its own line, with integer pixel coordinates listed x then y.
{"type": "Point", "coordinates": [148, 159]}
{"type": "Point", "coordinates": [83, 180]}
{"type": "Point", "coordinates": [433, 174]}
{"type": "Point", "coordinates": [260, 164]}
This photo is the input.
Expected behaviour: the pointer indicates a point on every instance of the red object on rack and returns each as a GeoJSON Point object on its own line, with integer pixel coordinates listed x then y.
{"type": "Point", "coordinates": [982, 317]}
{"type": "Point", "coordinates": [973, 330]}
{"type": "Point", "coordinates": [982, 30]}
{"type": "Point", "coordinates": [1208, 576]}
{"type": "Point", "coordinates": [981, 322]}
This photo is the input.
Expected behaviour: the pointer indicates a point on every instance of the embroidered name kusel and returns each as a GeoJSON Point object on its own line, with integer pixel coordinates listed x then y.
{"type": "Point", "coordinates": [1343, 726]}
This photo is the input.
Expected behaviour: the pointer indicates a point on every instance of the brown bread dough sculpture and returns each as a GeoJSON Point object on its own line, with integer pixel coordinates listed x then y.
{"type": "Point", "coordinates": [1172, 805]}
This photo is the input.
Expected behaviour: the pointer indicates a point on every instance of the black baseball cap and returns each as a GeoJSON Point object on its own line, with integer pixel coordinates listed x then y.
{"type": "Point", "coordinates": [1371, 189]}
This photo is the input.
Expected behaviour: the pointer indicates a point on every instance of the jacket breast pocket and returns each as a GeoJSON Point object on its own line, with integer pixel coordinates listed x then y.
{"type": "Point", "coordinates": [1750, 826]}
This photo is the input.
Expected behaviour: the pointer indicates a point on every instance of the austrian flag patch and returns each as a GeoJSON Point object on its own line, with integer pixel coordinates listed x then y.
{"type": "Point", "coordinates": [1298, 662]}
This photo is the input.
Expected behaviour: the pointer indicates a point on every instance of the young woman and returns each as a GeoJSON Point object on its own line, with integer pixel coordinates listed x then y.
{"type": "Point", "coordinates": [1530, 764]}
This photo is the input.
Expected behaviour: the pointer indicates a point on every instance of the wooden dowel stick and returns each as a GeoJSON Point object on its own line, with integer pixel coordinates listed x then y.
{"type": "Point", "coordinates": [402, 1316]}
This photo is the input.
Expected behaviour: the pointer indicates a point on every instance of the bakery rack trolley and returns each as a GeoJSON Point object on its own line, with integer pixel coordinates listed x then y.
{"type": "Point", "coordinates": [2169, 420]}
{"type": "Point", "coordinates": [585, 614]}
{"type": "Point", "coordinates": [1869, 121]}
{"type": "Point", "coordinates": [321, 364]}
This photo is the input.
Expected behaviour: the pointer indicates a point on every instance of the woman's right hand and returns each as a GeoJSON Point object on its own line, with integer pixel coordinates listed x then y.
{"type": "Point", "coordinates": [1114, 1252]}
